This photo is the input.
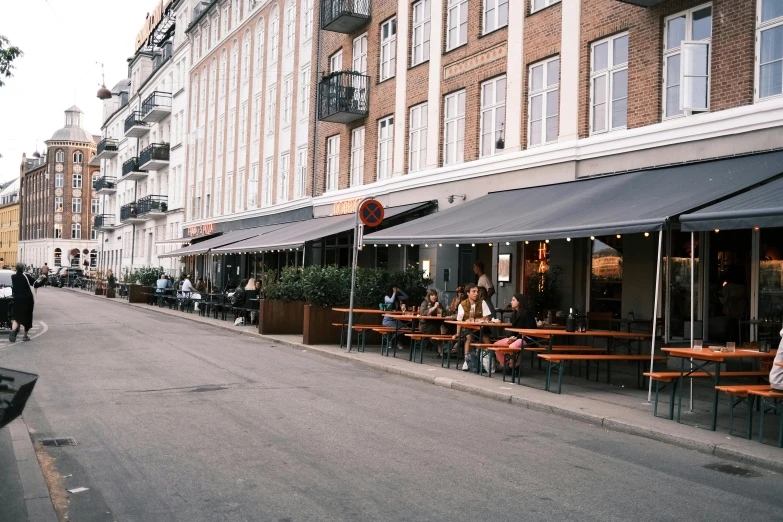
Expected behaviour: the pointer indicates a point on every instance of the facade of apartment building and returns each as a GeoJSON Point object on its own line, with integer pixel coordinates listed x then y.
{"type": "Point", "coordinates": [9, 223]}
{"type": "Point", "coordinates": [56, 202]}
{"type": "Point", "coordinates": [141, 152]}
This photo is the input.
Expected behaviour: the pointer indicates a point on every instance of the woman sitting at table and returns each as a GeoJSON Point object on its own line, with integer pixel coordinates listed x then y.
{"type": "Point", "coordinates": [431, 307]}
{"type": "Point", "coordinates": [521, 317]}
{"type": "Point", "coordinates": [394, 300]}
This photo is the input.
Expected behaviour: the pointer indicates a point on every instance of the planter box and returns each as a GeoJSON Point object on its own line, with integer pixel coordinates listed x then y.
{"type": "Point", "coordinates": [98, 290]}
{"type": "Point", "coordinates": [111, 293]}
{"type": "Point", "coordinates": [280, 317]}
{"type": "Point", "coordinates": [317, 327]}
{"type": "Point", "coordinates": [137, 293]}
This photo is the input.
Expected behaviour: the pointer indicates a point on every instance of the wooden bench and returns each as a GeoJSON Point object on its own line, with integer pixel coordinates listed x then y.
{"type": "Point", "coordinates": [418, 343]}
{"type": "Point", "coordinates": [738, 394]}
{"type": "Point", "coordinates": [517, 371]}
{"type": "Point", "coordinates": [560, 349]}
{"type": "Point", "coordinates": [771, 400]}
{"type": "Point", "coordinates": [557, 361]}
{"type": "Point", "coordinates": [387, 334]}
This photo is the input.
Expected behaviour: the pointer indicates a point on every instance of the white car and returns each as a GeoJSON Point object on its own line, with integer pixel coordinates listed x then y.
{"type": "Point", "coordinates": [5, 283]}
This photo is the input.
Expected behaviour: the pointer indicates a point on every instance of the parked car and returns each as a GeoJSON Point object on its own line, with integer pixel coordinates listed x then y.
{"type": "Point", "coordinates": [66, 276]}
{"type": "Point", "coordinates": [6, 298]}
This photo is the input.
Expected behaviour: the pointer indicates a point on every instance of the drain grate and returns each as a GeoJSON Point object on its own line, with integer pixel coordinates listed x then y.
{"type": "Point", "coordinates": [733, 469]}
{"type": "Point", "coordinates": [66, 441]}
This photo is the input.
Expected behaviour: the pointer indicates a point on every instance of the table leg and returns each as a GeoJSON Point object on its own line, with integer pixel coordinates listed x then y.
{"type": "Point", "coordinates": [342, 330]}
{"type": "Point", "coordinates": [715, 393]}
{"type": "Point", "coordinates": [679, 385]}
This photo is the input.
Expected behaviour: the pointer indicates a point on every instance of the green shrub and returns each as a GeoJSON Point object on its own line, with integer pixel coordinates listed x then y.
{"type": "Point", "coordinates": [288, 286]}
{"type": "Point", "coordinates": [144, 275]}
{"type": "Point", "coordinates": [326, 286]}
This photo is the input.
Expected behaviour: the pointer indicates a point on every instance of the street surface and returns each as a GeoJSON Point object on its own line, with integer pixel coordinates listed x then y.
{"type": "Point", "coordinates": [177, 421]}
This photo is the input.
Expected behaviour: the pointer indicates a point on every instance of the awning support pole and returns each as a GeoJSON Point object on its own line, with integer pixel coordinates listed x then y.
{"type": "Point", "coordinates": [353, 268]}
{"type": "Point", "coordinates": [655, 311]}
{"type": "Point", "coordinates": [693, 286]}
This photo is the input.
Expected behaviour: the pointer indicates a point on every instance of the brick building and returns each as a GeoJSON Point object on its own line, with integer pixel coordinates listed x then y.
{"type": "Point", "coordinates": [56, 199]}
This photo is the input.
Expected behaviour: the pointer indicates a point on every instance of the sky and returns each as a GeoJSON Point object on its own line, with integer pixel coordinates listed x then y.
{"type": "Point", "coordinates": [62, 40]}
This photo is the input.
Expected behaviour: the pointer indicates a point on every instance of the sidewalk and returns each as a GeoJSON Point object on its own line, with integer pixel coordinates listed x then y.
{"type": "Point", "coordinates": [619, 407]}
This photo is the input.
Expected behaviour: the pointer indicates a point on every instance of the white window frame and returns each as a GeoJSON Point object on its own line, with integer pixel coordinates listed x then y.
{"type": "Point", "coordinates": [59, 156]}
{"type": "Point", "coordinates": [543, 92]}
{"type": "Point", "coordinates": [76, 205]}
{"type": "Point", "coordinates": [274, 35]}
{"type": "Point", "coordinates": [762, 27]}
{"type": "Point", "coordinates": [490, 15]}
{"type": "Point", "coordinates": [260, 35]}
{"type": "Point", "coordinates": [492, 109]}
{"type": "Point", "coordinates": [417, 138]}
{"type": "Point", "coordinates": [336, 61]}
{"type": "Point", "coordinates": [283, 177]}
{"type": "Point", "coordinates": [456, 19]}
{"type": "Point", "coordinates": [78, 157]}
{"type": "Point", "coordinates": [304, 92]}
{"type": "Point", "coordinates": [256, 119]}
{"type": "Point", "coordinates": [668, 53]}
{"type": "Point", "coordinates": [227, 206]}
{"type": "Point", "coordinates": [288, 100]}
{"type": "Point", "coordinates": [58, 204]}
{"type": "Point", "coordinates": [76, 182]}
{"type": "Point", "coordinates": [608, 73]}
{"type": "Point", "coordinates": [243, 126]}
{"type": "Point", "coordinates": [59, 179]}
{"type": "Point", "coordinates": [357, 156]}
{"type": "Point", "coordinates": [388, 58]}
{"type": "Point", "coordinates": [359, 54]}
{"type": "Point", "coordinates": [385, 147]}
{"type": "Point", "coordinates": [271, 109]}
{"type": "Point", "coordinates": [76, 231]}
{"type": "Point", "coordinates": [290, 24]}
{"type": "Point", "coordinates": [58, 231]}
{"type": "Point", "coordinates": [307, 29]}
{"type": "Point", "coordinates": [234, 66]}
{"type": "Point", "coordinates": [454, 151]}
{"type": "Point", "coordinates": [266, 183]}
{"type": "Point", "coordinates": [301, 173]}
{"type": "Point", "coordinates": [95, 206]}
{"type": "Point", "coordinates": [420, 34]}
{"type": "Point", "coordinates": [252, 187]}
{"type": "Point", "coordinates": [538, 5]}
{"type": "Point", "coordinates": [332, 162]}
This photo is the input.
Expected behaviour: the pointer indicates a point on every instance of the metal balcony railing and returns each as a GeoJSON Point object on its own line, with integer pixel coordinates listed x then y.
{"type": "Point", "coordinates": [106, 182]}
{"type": "Point", "coordinates": [129, 211]}
{"type": "Point", "coordinates": [152, 203]}
{"type": "Point", "coordinates": [134, 119]}
{"type": "Point", "coordinates": [107, 145]}
{"type": "Point", "coordinates": [154, 152]}
{"type": "Point", "coordinates": [343, 97]}
{"type": "Point", "coordinates": [156, 102]}
{"type": "Point", "coordinates": [104, 221]}
{"type": "Point", "coordinates": [344, 16]}
{"type": "Point", "coordinates": [132, 165]}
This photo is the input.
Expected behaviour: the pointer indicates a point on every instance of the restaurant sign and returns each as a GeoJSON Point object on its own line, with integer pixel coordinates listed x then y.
{"type": "Point", "coordinates": [201, 230]}
{"type": "Point", "coordinates": [154, 17]}
{"type": "Point", "coordinates": [345, 207]}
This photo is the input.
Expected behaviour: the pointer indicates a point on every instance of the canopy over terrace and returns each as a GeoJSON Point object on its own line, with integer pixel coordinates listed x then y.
{"type": "Point", "coordinates": [640, 201]}
{"type": "Point", "coordinates": [295, 235]}
{"type": "Point", "coordinates": [761, 207]}
{"type": "Point", "coordinates": [229, 238]}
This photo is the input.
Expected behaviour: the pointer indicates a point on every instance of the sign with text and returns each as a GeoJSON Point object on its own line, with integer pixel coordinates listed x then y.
{"type": "Point", "coordinates": [153, 19]}
{"type": "Point", "coordinates": [345, 207]}
{"type": "Point", "coordinates": [200, 230]}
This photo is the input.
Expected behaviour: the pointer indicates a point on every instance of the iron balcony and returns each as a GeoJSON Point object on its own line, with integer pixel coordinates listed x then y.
{"type": "Point", "coordinates": [343, 97]}
{"type": "Point", "coordinates": [105, 185]}
{"type": "Point", "coordinates": [135, 126]}
{"type": "Point", "coordinates": [129, 213]}
{"type": "Point", "coordinates": [344, 16]}
{"type": "Point", "coordinates": [156, 107]}
{"type": "Point", "coordinates": [104, 222]}
{"type": "Point", "coordinates": [132, 171]}
{"type": "Point", "coordinates": [154, 157]}
{"type": "Point", "coordinates": [107, 148]}
{"type": "Point", "coordinates": [152, 206]}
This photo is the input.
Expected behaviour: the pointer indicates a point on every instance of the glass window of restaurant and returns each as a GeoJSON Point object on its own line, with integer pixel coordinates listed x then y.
{"type": "Point", "coordinates": [770, 289]}
{"type": "Point", "coordinates": [729, 281]}
{"type": "Point", "coordinates": [606, 275]}
{"type": "Point", "coordinates": [679, 296]}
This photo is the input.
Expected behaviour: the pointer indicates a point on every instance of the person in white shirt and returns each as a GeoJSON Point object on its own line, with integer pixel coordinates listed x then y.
{"type": "Point", "coordinates": [187, 286]}
{"type": "Point", "coordinates": [471, 309]}
{"type": "Point", "coordinates": [776, 374]}
{"type": "Point", "coordinates": [483, 280]}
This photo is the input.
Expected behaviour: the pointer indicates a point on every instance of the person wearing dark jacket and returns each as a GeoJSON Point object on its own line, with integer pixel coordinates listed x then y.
{"type": "Point", "coordinates": [521, 317]}
{"type": "Point", "coordinates": [23, 302]}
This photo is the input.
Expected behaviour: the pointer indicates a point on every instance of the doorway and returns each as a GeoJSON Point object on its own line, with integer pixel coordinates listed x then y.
{"type": "Point", "coordinates": [728, 291]}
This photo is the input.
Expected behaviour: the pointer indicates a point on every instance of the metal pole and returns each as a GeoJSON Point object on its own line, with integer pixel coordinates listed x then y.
{"type": "Point", "coordinates": [693, 286]}
{"type": "Point", "coordinates": [655, 310]}
{"type": "Point", "coordinates": [353, 268]}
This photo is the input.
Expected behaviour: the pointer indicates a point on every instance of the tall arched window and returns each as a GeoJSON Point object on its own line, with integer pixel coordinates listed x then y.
{"type": "Point", "coordinates": [58, 257]}
{"type": "Point", "coordinates": [246, 57]}
{"type": "Point", "coordinates": [213, 80]}
{"type": "Point", "coordinates": [234, 64]}
{"type": "Point", "coordinates": [274, 34]}
{"type": "Point", "coordinates": [78, 157]}
{"type": "Point", "coordinates": [259, 46]}
{"type": "Point", "coordinates": [223, 66]}
{"type": "Point", "coordinates": [59, 156]}
{"type": "Point", "coordinates": [290, 24]}
{"type": "Point", "coordinates": [93, 258]}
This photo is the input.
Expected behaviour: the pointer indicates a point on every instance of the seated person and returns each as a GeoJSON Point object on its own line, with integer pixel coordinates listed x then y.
{"type": "Point", "coordinates": [162, 284]}
{"type": "Point", "coordinates": [776, 374]}
{"type": "Point", "coordinates": [471, 309]}
{"type": "Point", "coordinates": [521, 317]}
{"type": "Point", "coordinates": [431, 307]}
{"type": "Point", "coordinates": [187, 286]}
{"type": "Point", "coordinates": [394, 299]}
{"type": "Point", "coordinates": [451, 311]}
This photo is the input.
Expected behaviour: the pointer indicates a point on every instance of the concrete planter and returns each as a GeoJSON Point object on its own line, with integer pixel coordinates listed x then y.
{"type": "Point", "coordinates": [317, 327]}
{"type": "Point", "coordinates": [281, 317]}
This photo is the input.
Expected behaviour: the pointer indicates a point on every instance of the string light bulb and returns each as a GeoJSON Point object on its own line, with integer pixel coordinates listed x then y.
{"type": "Point", "coordinates": [619, 236]}
{"type": "Point", "coordinates": [568, 239]}
{"type": "Point", "coordinates": [646, 234]}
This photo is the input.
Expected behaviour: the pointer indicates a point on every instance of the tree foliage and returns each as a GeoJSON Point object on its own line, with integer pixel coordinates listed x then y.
{"type": "Point", "coordinates": [8, 53]}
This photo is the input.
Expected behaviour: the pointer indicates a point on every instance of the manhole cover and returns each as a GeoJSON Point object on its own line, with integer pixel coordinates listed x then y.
{"type": "Point", "coordinates": [733, 469]}
{"type": "Point", "coordinates": [66, 441]}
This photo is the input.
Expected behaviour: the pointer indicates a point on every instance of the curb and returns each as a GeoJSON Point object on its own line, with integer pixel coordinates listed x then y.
{"type": "Point", "coordinates": [608, 423]}
{"type": "Point", "coordinates": [36, 492]}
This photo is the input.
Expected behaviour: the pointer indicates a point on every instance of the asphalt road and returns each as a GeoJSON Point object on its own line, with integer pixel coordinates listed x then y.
{"type": "Point", "coordinates": [177, 421]}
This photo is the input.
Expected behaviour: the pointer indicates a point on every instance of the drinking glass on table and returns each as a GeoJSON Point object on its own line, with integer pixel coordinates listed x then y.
{"type": "Point", "coordinates": [402, 307]}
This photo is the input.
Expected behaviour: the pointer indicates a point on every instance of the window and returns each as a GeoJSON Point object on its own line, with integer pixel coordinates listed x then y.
{"type": "Point", "coordinates": [271, 102]}
{"type": "Point", "coordinates": [95, 206]}
{"type": "Point", "coordinates": [93, 236]}
{"type": "Point", "coordinates": [454, 128]}
{"type": "Point", "coordinates": [229, 192]}
{"type": "Point", "coordinates": [223, 66]}
{"type": "Point", "coordinates": [540, 4]}
{"type": "Point", "coordinates": [301, 174]}
{"type": "Point", "coordinates": [220, 143]}
{"type": "Point", "coordinates": [95, 177]}
{"type": "Point", "coordinates": [385, 146]}
{"type": "Point", "coordinates": [274, 35]}
{"type": "Point", "coordinates": [266, 185]}
{"type": "Point", "coordinates": [218, 183]}
{"type": "Point", "coordinates": [336, 62]}
{"type": "Point", "coordinates": [215, 27]}
{"type": "Point", "coordinates": [495, 15]}
{"type": "Point", "coordinates": [225, 21]}
{"type": "Point", "coordinates": [232, 119]}
{"type": "Point", "coordinates": [357, 157]}
{"type": "Point", "coordinates": [417, 142]}
{"type": "Point", "coordinates": [609, 84]}
{"type": "Point", "coordinates": [769, 56]}
{"type": "Point", "coordinates": [234, 63]}
{"type": "Point", "coordinates": [360, 54]}
{"type": "Point", "coordinates": [543, 102]}
{"type": "Point", "coordinates": [282, 177]}
{"type": "Point", "coordinates": [257, 118]}
{"type": "Point", "coordinates": [58, 234]}
{"type": "Point", "coordinates": [246, 57]}
{"type": "Point", "coordinates": [76, 205]}
{"type": "Point", "coordinates": [308, 19]}
{"type": "Point", "coordinates": [243, 126]}
{"type": "Point", "coordinates": [78, 157]}
{"type": "Point", "coordinates": [76, 231]}
{"type": "Point", "coordinates": [240, 190]}
{"type": "Point", "coordinates": [58, 204]}
{"type": "Point", "coordinates": [457, 24]}
{"type": "Point", "coordinates": [59, 179]}
{"type": "Point", "coordinates": [77, 181]}
{"type": "Point", "coordinates": [288, 99]}
{"type": "Point", "coordinates": [388, 48]}
{"type": "Point", "coordinates": [259, 46]}
{"type": "Point", "coordinates": [686, 62]}
{"type": "Point", "coordinates": [493, 114]}
{"type": "Point", "coordinates": [332, 162]}
{"type": "Point", "coordinates": [420, 49]}
{"type": "Point", "coordinates": [235, 13]}
{"type": "Point", "coordinates": [59, 156]}
{"type": "Point", "coordinates": [290, 24]}
{"type": "Point", "coordinates": [252, 187]}
{"type": "Point", "coordinates": [304, 92]}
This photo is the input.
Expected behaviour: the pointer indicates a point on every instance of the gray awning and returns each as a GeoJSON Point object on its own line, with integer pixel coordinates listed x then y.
{"type": "Point", "coordinates": [760, 207]}
{"type": "Point", "coordinates": [625, 203]}
{"type": "Point", "coordinates": [297, 234]}
{"type": "Point", "coordinates": [225, 239]}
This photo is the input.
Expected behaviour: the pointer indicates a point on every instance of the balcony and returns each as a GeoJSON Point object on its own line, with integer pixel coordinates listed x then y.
{"type": "Point", "coordinates": [643, 3]}
{"type": "Point", "coordinates": [132, 171]}
{"type": "Point", "coordinates": [130, 213]}
{"type": "Point", "coordinates": [107, 148]}
{"type": "Point", "coordinates": [105, 185]}
{"type": "Point", "coordinates": [152, 206]}
{"type": "Point", "coordinates": [154, 157]}
{"type": "Point", "coordinates": [135, 126]}
{"type": "Point", "coordinates": [156, 107]}
{"type": "Point", "coordinates": [344, 16]}
{"type": "Point", "coordinates": [343, 97]}
{"type": "Point", "coordinates": [104, 222]}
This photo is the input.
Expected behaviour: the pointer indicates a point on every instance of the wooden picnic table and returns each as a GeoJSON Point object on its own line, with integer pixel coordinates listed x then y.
{"type": "Point", "coordinates": [474, 325]}
{"type": "Point", "coordinates": [346, 311]}
{"type": "Point", "coordinates": [708, 357]}
{"type": "Point", "coordinates": [549, 333]}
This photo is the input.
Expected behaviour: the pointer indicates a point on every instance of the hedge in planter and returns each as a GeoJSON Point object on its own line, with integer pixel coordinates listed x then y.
{"type": "Point", "coordinates": [282, 309]}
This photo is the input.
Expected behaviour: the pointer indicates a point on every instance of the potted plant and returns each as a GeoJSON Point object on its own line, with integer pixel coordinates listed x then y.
{"type": "Point", "coordinates": [282, 308]}
{"type": "Point", "coordinates": [100, 282]}
{"type": "Point", "coordinates": [324, 287]}
{"type": "Point", "coordinates": [111, 285]}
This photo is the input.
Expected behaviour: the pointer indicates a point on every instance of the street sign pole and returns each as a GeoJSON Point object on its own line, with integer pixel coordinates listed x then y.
{"type": "Point", "coordinates": [353, 268]}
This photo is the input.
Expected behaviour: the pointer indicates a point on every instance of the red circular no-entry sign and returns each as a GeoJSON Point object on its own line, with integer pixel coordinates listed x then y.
{"type": "Point", "coordinates": [371, 213]}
